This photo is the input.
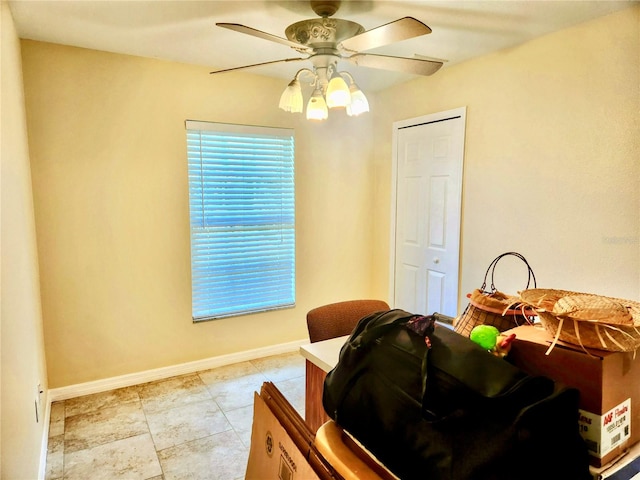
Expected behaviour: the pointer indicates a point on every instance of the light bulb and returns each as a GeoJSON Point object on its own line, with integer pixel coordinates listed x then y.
{"type": "Point", "coordinates": [338, 94]}
{"type": "Point", "coordinates": [359, 103]}
{"type": "Point", "coordinates": [317, 107]}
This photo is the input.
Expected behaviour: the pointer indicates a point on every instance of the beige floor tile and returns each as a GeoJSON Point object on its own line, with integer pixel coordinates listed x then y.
{"type": "Point", "coordinates": [281, 367]}
{"type": "Point", "coordinates": [294, 391]}
{"type": "Point", "coordinates": [96, 401]}
{"type": "Point", "coordinates": [183, 424]}
{"type": "Point", "coordinates": [218, 457]}
{"type": "Point", "coordinates": [236, 393]}
{"type": "Point", "coordinates": [228, 372]}
{"type": "Point", "coordinates": [102, 426]}
{"type": "Point", "coordinates": [199, 425]}
{"type": "Point", "coordinates": [241, 419]}
{"type": "Point", "coordinates": [130, 458]}
{"type": "Point", "coordinates": [55, 458]}
{"type": "Point", "coordinates": [172, 392]}
{"type": "Point", "coordinates": [56, 421]}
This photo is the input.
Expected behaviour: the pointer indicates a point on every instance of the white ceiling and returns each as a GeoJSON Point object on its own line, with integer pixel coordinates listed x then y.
{"type": "Point", "coordinates": [185, 31]}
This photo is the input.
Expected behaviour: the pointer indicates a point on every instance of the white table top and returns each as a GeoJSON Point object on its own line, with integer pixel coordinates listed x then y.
{"type": "Point", "coordinates": [324, 354]}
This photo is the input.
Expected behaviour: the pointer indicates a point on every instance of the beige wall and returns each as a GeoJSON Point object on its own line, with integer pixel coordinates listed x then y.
{"type": "Point", "coordinates": [108, 156]}
{"type": "Point", "coordinates": [552, 158]}
{"type": "Point", "coordinates": [22, 346]}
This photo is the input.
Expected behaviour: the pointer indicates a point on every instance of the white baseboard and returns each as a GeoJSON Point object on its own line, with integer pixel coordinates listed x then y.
{"type": "Point", "coordinates": [106, 384]}
{"type": "Point", "coordinates": [44, 445]}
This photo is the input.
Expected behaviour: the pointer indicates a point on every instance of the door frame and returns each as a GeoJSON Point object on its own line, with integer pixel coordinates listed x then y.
{"type": "Point", "coordinates": [410, 122]}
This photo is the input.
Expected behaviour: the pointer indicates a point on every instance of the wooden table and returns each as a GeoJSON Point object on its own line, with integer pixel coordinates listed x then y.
{"type": "Point", "coordinates": [320, 357]}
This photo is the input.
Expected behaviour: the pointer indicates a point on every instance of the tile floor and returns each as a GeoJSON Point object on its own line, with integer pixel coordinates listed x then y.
{"type": "Point", "coordinates": [195, 426]}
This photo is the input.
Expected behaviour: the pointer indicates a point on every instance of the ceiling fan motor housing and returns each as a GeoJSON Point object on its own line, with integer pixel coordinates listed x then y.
{"type": "Point", "coordinates": [322, 32]}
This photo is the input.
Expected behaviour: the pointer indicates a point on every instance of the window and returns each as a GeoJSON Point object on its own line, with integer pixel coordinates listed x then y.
{"type": "Point", "coordinates": [241, 202]}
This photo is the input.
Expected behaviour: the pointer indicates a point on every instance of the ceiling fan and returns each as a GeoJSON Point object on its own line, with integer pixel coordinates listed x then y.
{"type": "Point", "coordinates": [326, 40]}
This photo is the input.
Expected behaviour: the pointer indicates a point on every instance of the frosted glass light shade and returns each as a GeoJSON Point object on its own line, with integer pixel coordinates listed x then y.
{"type": "Point", "coordinates": [359, 103]}
{"type": "Point", "coordinates": [291, 98]}
{"type": "Point", "coordinates": [338, 94]}
{"type": "Point", "coordinates": [317, 107]}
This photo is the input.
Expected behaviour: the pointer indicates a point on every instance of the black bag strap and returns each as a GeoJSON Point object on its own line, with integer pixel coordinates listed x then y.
{"type": "Point", "coordinates": [492, 267]}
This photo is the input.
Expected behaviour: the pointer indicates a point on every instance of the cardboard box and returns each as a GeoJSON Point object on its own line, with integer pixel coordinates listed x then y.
{"type": "Point", "coordinates": [609, 385]}
{"type": "Point", "coordinates": [624, 468]}
{"type": "Point", "coordinates": [273, 454]}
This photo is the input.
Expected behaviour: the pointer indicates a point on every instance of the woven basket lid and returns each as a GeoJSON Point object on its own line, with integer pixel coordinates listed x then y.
{"type": "Point", "coordinates": [583, 306]}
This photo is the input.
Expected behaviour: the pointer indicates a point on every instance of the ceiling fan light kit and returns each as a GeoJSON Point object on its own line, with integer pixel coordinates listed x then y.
{"type": "Point", "coordinates": [326, 41]}
{"type": "Point", "coordinates": [330, 90]}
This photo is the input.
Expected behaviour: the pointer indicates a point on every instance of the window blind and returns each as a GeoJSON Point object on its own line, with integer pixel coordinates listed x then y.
{"type": "Point", "coordinates": [242, 209]}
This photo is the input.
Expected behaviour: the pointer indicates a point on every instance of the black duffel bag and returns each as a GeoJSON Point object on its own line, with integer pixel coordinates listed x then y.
{"type": "Point", "coordinates": [431, 404]}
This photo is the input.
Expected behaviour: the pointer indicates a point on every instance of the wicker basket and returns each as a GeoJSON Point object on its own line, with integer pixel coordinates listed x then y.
{"type": "Point", "coordinates": [585, 319]}
{"type": "Point", "coordinates": [494, 307]}
{"type": "Point", "coordinates": [497, 309]}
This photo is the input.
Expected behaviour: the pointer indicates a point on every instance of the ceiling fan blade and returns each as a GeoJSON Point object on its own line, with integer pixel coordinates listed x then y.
{"type": "Point", "coordinates": [396, 31]}
{"type": "Point", "coordinates": [433, 59]}
{"type": "Point", "coordinates": [258, 64]}
{"type": "Point", "coordinates": [265, 36]}
{"type": "Point", "coordinates": [414, 66]}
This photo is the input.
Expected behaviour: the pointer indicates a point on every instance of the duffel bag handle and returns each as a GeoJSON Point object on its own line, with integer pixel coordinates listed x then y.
{"type": "Point", "coordinates": [492, 267]}
{"type": "Point", "coordinates": [367, 332]}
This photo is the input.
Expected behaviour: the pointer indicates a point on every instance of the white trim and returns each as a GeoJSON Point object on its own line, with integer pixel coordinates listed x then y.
{"type": "Point", "coordinates": [433, 117]}
{"type": "Point", "coordinates": [44, 444]}
{"type": "Point", "coordinates": [106, 384]}
{"type": "Point", "coordinates": [241, 129]}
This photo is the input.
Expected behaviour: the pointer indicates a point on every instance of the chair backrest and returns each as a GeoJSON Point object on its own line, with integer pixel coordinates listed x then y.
{"type": "Point", "coordinates": [338, 319]}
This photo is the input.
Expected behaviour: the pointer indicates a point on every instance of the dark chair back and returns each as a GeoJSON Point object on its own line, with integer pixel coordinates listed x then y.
{"type": "Point", "coordinates": [338, 319]}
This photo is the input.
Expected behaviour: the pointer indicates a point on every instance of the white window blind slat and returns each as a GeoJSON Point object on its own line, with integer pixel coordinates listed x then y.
{"type": "Point", "coordinates": [242, 206]}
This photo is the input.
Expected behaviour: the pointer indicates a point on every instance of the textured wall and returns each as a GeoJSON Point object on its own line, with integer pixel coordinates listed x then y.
{"type": "Point", "coordinates": [552, 158]}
